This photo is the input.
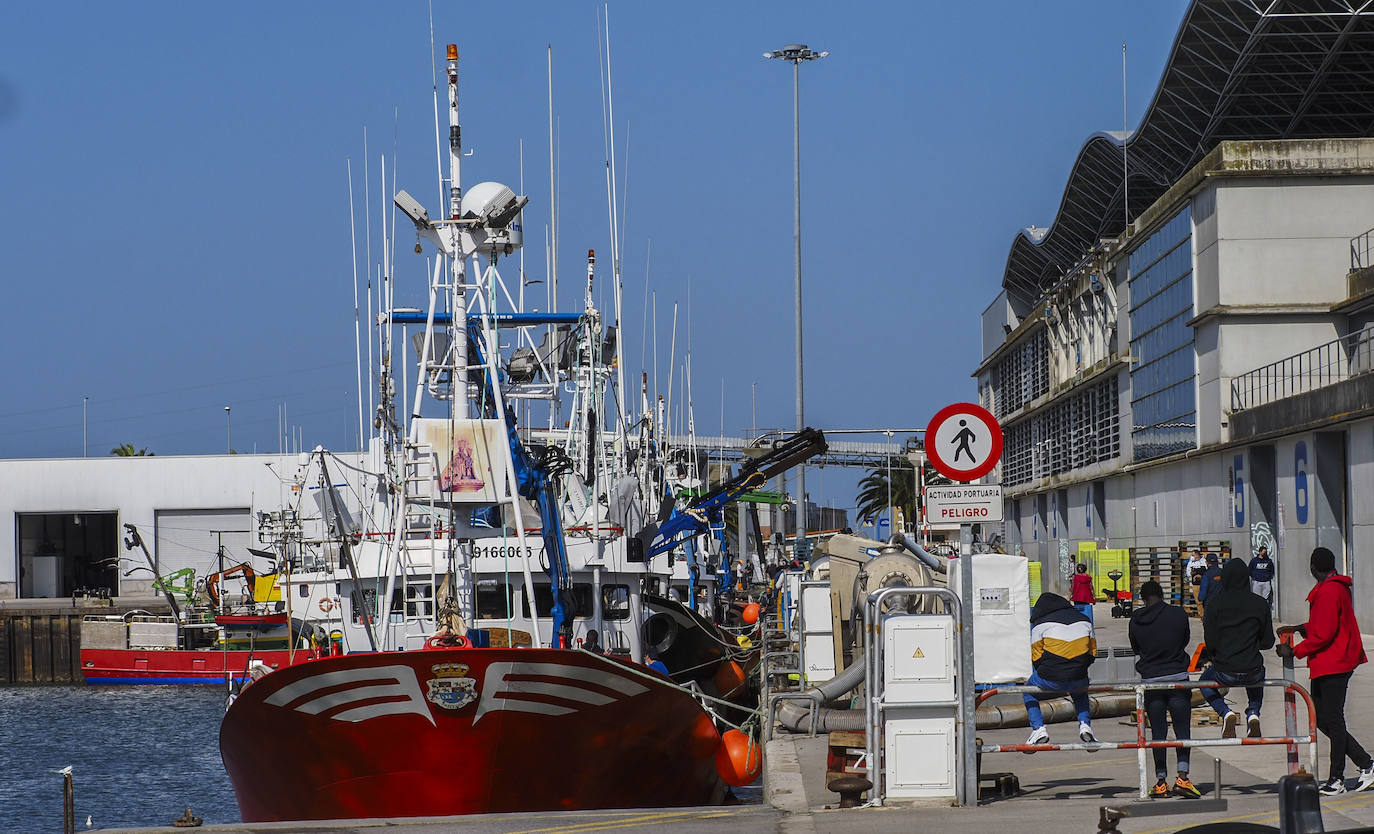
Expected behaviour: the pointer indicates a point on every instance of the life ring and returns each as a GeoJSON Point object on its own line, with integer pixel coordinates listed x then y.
{"type": "Point", "coordinates": [326, 605]}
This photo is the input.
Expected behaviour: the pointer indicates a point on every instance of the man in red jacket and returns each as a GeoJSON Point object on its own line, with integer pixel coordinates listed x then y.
{"type": "Point", "coordinates": [1333, 649]}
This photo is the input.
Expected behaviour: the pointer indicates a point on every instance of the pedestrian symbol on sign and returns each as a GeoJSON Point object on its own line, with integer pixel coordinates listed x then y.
{"type": "Point", "coordinates": [964, 436]}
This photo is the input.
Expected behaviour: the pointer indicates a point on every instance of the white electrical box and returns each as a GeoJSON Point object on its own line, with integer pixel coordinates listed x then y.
{"type": "Point", "coordinates": [918, 658]}
{"type": "Point", "coordinates": [919, 710]}
{"type": "Point", "coordinates": [919, 755]}
{"type": "Point", "coordinates": [817, 632]}
{"type": "Point", "coordinates": [1001, 616]}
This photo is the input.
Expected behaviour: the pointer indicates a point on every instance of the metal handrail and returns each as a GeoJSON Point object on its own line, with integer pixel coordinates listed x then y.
{"type": "Point", "coordinates": [874, 704]}
{"type": "Point", "coordinates": [1327, 364]}
{"type": "Point", "coordinates": [1141, 744]}
{"type": "Point", "coordinates": [1361, 250]}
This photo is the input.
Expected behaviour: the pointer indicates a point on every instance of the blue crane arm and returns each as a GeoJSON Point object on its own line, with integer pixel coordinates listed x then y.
{"type": "Point", "coordinates": [699, 514]}
{"type": "Point", "coordinates": [534, 481]}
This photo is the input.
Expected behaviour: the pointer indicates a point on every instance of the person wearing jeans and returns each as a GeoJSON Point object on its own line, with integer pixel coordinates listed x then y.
{"type": "Point", "coordinates": [1159, 637]}
{"type": "Point", "coordinates": [1333, 648]}
{"type": "Point", "coordinates": [1236, 626]}
{"type": "Point", "coordinates": [1063, 646]}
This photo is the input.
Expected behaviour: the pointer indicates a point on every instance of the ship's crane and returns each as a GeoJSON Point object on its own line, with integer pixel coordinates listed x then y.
{"type": "Point", "coordinates": [696, 518]}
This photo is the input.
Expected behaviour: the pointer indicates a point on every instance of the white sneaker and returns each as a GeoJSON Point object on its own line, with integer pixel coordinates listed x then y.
{"type": "Point", "coordinates": [1038, 736]}
{"type": "Point", "coordinates": [1364, 779]}
{"type": "Point", "coordinates": [1253, 723]}
{"type": "Point", "coordinates": [1085, 734]}
{"type": "Point", "coordinates": [1228, 724]}
{"type": "Point", "coordinates": [1332, 787]}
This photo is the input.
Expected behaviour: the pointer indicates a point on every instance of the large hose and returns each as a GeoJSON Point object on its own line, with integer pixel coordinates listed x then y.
{"type": "Point", "coordinates": [930, 560]}
{"type": "Point", "coordinates": [793, 714]}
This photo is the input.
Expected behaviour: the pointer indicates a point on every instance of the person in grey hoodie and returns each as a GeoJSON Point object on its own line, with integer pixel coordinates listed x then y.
{"type": "Point", "coordinates": [1159, 636]}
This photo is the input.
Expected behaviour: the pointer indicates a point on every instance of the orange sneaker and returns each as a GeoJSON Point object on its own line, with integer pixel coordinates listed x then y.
{"type": "Point", "coordinates": [1184, 787]}
{"type": "Point", "coordinates": [1160, 790]}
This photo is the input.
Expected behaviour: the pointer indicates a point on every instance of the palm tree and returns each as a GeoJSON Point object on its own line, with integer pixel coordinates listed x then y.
{"type": "Point", "coordinates": [873, 498]}
{"type": "Point", "coordinates": [127, 450]}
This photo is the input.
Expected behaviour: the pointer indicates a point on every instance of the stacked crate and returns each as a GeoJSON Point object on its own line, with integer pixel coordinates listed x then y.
{"type": "Point", "coordinates": [1163, 565]}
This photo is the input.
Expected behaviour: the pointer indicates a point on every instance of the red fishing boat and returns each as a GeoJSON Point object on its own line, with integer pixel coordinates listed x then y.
{"type": "Point", "coordinates": [465, 730]}
{"type": "Point", "coordinates": [145, 649]}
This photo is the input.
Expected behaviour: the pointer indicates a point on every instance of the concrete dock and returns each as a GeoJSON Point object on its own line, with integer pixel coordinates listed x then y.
{"type": "Point", "coordinates": [1060, 791]}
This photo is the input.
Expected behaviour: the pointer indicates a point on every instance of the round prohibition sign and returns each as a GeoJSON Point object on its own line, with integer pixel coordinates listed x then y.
{"type": "Point", "coordinates": [963, 441]}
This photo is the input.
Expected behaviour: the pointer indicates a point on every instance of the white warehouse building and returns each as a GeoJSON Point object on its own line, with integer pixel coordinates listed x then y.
{"type": "Point", "coordinates": [62, 520]}
{"type": "Point", "coordinates": [1201, 375]}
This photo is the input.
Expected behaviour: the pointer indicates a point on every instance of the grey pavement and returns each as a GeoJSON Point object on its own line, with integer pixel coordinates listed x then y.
{"type": "Point", "coordinates": [1060, 791]}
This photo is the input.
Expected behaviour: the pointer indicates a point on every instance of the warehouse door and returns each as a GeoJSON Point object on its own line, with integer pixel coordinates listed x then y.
{"type": "Point", "coordinates": [191, 538]}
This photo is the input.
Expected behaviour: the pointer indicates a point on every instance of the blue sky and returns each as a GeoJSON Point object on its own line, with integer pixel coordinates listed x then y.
{"type": "Point", "coordinates": [175, 221]}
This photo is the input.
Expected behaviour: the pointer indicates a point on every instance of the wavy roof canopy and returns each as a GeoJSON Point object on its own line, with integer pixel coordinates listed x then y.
{"type": "Point", "coordinates": [1239, 69]}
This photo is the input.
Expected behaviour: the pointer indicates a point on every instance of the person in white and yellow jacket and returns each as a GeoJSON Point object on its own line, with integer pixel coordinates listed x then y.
{"type": "Point", "coordinates": [1063, 646]}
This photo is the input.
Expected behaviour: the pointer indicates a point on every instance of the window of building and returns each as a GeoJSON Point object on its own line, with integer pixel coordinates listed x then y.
{"type": "Point", "coordinates": [65, 554]}
{"type": "Point", "coordinates": [1072, 433]}
{"type": "Point", "coordinates": [1163, 398]}
{"type": "Point", "coordinates": [1022, 375]}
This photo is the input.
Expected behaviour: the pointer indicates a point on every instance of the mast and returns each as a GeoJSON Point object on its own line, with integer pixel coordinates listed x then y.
{"type": "Point", "coordinates": [457, 263]}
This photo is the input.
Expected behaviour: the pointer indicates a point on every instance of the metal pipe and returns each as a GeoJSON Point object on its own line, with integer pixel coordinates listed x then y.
{"type": "Point", "coordinates": [929, 559]}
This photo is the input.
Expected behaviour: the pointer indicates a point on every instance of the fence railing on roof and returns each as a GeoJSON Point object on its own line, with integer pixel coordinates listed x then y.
{"type": "Point", "coordinates": [1318, 367]}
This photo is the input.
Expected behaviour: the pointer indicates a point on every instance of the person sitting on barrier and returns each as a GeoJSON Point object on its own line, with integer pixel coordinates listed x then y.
{"type": "Point", "coordinates": [1062, 648]}
{"type": "Point", "coordinates": [1333, 648]}
{"type": "Point", "coordinates": [1236, 626]}
{"type": "Point", "coordinates": [1159, 636]}
{"type": "Point", "coordinates": [1083, 594]}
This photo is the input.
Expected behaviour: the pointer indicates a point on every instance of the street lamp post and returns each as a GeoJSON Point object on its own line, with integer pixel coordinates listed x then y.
{"type": "Point", "coordinates": [796, 53]}
{"type": "Point", "coordinates": [228, 435]}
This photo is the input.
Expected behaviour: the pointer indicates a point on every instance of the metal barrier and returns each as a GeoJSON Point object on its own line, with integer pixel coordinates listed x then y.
{"type": "Point", "coordinates": [1142, 744]}
{"type": "Point", "coordinates": [1326, 364]}
{"type": "Point", "coordinates": [1361, 249]}
{"type": "Point", "coordinates": [874, 705]}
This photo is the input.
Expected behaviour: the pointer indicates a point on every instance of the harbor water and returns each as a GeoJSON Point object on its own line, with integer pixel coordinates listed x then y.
{"type": "Point", "coordinates": [139, 755]}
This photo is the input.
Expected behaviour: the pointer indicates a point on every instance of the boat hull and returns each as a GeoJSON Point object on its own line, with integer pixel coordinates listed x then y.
{"type": "Point", "coordinates": [441, 732]}
{"type": "Point", "coordinates": [175, 666]}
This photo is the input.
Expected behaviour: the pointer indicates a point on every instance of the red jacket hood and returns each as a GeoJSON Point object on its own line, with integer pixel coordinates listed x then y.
{"type": "Point", "coordinates": [1335, 577]}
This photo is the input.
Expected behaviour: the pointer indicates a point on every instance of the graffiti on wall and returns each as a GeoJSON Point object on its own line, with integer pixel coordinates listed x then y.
{"type": "Point", "coordinates": [1262, 536]}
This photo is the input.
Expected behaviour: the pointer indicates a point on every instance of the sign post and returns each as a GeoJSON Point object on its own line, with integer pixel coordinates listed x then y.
{"type": "Point", "coordinates": [964, 443]}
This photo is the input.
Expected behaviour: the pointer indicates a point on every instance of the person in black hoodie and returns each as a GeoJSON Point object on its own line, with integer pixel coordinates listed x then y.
{"type": "Point", "coordinates": [1236, 626]}
{"type": "Point", "coordinates": [1062, 648]}
{"type": "Point", "coordinates": [1159, 636]}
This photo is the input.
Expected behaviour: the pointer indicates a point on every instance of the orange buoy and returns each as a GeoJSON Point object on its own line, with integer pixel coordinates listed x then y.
{"type": "Point", "coordinates": [751, 613]}
{"type": "Point", "coordinates": [705, 739]}
{"type": "Point", "coordinates": [739, 759]}
{"type": "Point", "coordinates": [729, 675]}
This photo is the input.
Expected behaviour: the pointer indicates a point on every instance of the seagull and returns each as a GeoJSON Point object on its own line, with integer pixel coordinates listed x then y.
{"type": "Point", "coordinates": [66, 771]}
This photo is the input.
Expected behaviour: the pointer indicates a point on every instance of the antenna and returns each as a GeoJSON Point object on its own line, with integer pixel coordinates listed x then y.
{"type": "Point", "coordinates": [1125, 138]}
{"type": "Point", "coordinates": [357, 337]}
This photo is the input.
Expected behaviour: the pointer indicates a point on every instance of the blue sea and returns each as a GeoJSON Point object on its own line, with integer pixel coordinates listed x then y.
{"type": "Point", "coordinates": [139, 755]}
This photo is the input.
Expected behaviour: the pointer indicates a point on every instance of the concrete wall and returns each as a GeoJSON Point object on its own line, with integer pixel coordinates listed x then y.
{"type": "Point", "coordinates": [1286, 240]}
{"type": "Point", "coordinates": [135, 488]}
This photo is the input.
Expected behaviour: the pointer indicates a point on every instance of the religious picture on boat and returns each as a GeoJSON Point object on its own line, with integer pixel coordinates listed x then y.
{"type": "Point", "coordinates": [469, 456]}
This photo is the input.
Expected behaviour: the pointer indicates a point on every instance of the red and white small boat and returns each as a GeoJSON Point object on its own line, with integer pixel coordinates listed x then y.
{"type": "Point", "coordinates": [144, 649]}
{"type": "Point", "coordinates": [466, 730]}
